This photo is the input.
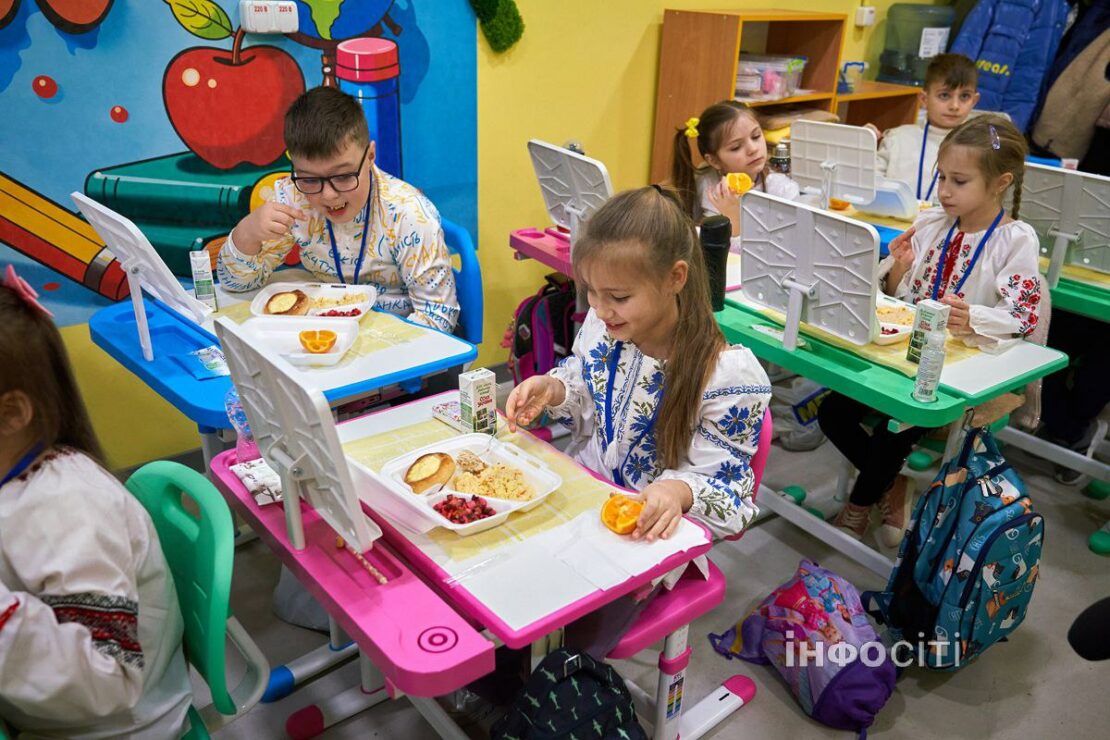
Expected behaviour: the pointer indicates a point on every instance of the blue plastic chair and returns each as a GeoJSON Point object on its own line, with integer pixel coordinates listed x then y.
{"type": "Point", "coordinates": [468, 281]}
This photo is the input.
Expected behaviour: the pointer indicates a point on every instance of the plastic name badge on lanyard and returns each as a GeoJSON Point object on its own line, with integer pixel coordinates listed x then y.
{"type": "Point", "coordinates": [974, 258]}
{"type": "Point", "coordinates": [361, 249]}
{"type": "Point", "coordinates": [611, 455]}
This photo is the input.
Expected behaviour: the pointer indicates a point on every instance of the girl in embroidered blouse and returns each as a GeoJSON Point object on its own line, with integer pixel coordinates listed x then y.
{"type": "Point", "coordinates": [969, 254]}
{"type": "Point", "coordinates": [730, 139]}
{"type": "Point", "coordinates": [654, 397]}
{"type": "Point", "coordinates": [90, 627]}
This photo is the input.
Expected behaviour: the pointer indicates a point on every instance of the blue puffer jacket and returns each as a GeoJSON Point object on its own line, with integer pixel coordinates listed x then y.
{"type": "Point", "coordinates": [1013, 43]}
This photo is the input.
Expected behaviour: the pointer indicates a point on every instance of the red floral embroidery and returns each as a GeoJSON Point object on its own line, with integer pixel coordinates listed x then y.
{"type": "Point", "coordinates": [1023, 295]}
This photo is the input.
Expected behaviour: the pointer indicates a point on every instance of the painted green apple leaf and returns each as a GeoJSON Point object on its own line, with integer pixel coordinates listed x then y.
{"type": "Point", "coordinates": [202, 18]}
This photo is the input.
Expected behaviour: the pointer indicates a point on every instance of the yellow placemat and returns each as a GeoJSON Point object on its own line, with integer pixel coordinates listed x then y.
{"type": "Point", "coordinates": [579, 492]}
{"type": "Point", "coordinates": [1081, 274]}
{"type": "Point", "coordinates": [378, 331]}
{"type": "Point", "coordinates": [887, 355]}
{"type": "Point", "coordinates": [237, 312]}
{"type": "Point", "coordinates": [894, 223]}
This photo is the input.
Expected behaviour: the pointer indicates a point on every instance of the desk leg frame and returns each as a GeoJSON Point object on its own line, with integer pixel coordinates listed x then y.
{"type": "Point", "coordinates": [312, 720]}
{"type": "Point", "coordinates": [867, 557]}
{"type": "Point", "coordinates": [285, 679]}
{"type": "Point", "coordinates": [671, 722]}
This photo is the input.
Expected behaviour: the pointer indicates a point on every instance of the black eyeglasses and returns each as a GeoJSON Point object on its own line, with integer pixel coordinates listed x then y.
{"type": "Point", "coordinates": [340, 183]}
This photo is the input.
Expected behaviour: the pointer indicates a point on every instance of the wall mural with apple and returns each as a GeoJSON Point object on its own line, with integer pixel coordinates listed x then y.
{"type": "Point", "coordinates": [169, 113]}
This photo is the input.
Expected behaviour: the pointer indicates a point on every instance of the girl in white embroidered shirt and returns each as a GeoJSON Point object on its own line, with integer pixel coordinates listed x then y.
{"type": "Point", "coordinates": [90, 627]}
{"type": "Point", "coordinates": [730, 139]}
{"type": "Point", "coordinates": [968, 254]}
{"type": "Point", "coordinates": [655, 398]}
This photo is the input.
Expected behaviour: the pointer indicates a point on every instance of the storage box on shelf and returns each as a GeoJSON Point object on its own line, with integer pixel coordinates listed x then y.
{"type": "Point", "coordinates": [698, 65]}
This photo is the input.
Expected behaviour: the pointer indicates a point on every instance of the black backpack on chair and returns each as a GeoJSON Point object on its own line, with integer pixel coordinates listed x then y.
{"type": "Point", "coordinates": [571, 696]}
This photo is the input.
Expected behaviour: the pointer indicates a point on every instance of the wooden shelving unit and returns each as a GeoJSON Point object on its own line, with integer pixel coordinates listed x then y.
{"type": "Point", "coordinates": [699, 55]}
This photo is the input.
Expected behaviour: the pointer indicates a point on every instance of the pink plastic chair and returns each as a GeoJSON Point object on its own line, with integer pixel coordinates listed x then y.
{"type": "Point", "coordinates": [666, 618]}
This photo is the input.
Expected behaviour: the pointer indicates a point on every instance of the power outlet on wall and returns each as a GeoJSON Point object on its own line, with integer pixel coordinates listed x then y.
{"type": "Point", "coordinates": [865, 16]}
{"type": "Point", "coordinates": [268, 16]}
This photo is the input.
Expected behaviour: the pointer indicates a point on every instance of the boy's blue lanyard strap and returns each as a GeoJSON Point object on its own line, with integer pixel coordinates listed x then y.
{"type": "Point", "coordinates": [610, 437]}
{"type": "Point", "coordinates": [921, 168]}
{"type": "Point", "coordinates": [361, 249]}
{"type": "Point", "coordinates": [23, 464]}
{"type": "Point", "coordinates": [974, 257]}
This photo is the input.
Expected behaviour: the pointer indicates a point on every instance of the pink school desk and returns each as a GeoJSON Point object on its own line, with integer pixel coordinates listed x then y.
{"type": "Point", "coordinates": [551, 247]}
{"type": "Point", "coordinates": [421, 630]}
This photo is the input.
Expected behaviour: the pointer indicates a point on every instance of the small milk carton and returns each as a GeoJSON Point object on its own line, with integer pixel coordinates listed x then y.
{"type": "Point", "coordinates": [929, 315]}
{"type": "Point", "coordinates": [203, 286]}
{"type": "Point", "coordinates": [478, 401]}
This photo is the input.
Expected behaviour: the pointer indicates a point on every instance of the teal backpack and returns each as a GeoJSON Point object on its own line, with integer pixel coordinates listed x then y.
{"type": "Point", "coordinates": [968, 563]}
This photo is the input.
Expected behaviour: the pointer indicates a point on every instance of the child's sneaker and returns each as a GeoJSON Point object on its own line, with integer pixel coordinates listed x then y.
{"type": "Point", "coordinates": [853, 520]}
{"type": "Point", "coordinates": [895, 509]}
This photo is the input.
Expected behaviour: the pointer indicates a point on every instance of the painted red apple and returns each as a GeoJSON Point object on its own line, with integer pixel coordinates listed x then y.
{"type": "Point", "coordinates": [228, 106]}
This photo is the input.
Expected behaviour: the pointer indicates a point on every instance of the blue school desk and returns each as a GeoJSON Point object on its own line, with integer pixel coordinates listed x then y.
{"type": "Point", "coordinates": [964, 385]}
{"type": "Point", "coordinates": [113, 329]}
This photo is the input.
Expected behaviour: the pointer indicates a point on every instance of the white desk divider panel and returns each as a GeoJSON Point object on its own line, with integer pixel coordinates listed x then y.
{"type": "Point", "coordinates": [1070, 211]}
{"type": "Point", "coordinates": [841, 161]}
{"type": "Point", "coordinates": [812, 265]}
{"type": "Point", "coordinates": [838, 159]}
{"type": "Point", "coordinates": [295, 432]}
{"type": "Point", "coordinates": [573, 185]}
{"type": "Point", "coordinates": [145, 268]}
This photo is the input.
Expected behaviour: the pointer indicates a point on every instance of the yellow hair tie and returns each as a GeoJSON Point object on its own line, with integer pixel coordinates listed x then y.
{"type": "Point", "coordinates": [692, 127]}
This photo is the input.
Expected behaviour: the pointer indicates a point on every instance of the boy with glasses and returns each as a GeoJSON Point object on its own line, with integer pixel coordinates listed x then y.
{"type": "Point", "coordinates": [353, 223]}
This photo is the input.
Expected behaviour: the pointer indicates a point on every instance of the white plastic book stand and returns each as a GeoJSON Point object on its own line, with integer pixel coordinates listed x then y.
{"type": "Point", "coordinates": [573, 185]}
{"type": "Point", "coordinates": [295, 432]}
{"type": "Point", "coordinates": [811, 265]}
{"type": "Point", "coordinates": [836, 158]}
{"type": "Point", "coordinates": [146, 270]}
{"type": "Point", "coordinates": [1073, 210]}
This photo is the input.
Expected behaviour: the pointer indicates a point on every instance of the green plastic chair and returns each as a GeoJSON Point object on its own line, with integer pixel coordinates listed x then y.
{"type": "Point", "coordinates": [197, 535]}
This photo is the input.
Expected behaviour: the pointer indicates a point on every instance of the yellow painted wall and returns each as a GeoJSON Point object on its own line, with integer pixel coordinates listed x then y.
{"type": "Point", "coordinates": [584, 70]}
{"type": "Point", "coordinates": [133, 423]}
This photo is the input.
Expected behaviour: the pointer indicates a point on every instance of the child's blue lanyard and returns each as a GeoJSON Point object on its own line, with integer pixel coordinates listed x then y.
{"type": "Point", "coordinates": [610, 437]}
{"type": "Point", "coordinates": [23, 464]}
{"type": "Point", "coordinates": [921, 168]}
{"type": "Point", "coordinates": [974, 257]}
{"type": "Point", "coordinates": [361, 249]}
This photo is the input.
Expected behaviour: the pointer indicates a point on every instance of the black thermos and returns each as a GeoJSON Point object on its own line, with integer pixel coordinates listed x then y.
{"type": "Point", "coordinates": [715, 234]}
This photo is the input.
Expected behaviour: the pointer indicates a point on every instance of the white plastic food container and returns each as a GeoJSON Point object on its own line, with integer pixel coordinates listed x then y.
{"type": "Point", "coordinates": [542, 479]}
{"type": "Point", "coordinates": [318, 292]}
{"type": "Point", "coordinates": [281, 334]}
{"type": "Point", "coordinates": [902, 333]}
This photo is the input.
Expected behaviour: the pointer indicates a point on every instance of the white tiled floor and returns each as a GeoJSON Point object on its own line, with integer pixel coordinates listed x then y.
{"type": "Point", "coordinates": [1031, 687]}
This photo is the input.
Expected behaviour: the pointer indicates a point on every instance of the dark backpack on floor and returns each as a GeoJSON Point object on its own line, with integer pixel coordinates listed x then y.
{"type": "Point", "coordinates": [542, 332]}
{"type": "Point", "coordinates": [571, 696]}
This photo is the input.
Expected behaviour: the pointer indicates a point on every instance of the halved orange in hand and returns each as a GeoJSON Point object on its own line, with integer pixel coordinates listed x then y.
{"type": "Point", "coordinates": [317, 341]}
{"type": "Point", "coordinates": [620, 513]}
{"type": "Point", "coordinates": [739, 182]}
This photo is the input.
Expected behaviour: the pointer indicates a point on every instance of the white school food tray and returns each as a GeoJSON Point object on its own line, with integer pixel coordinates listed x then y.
{"type": "Point", "coordinates": [903, 331]}
{"type": "Point", "coordinates": [281, 334]}
{"type": "Point", "coordinates": [539, 476]}
{"type": "Point", "coordinates": [317, 292]}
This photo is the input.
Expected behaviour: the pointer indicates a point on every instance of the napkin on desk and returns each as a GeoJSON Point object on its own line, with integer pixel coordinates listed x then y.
{"type": "Point", "coordinates": [260, 479]}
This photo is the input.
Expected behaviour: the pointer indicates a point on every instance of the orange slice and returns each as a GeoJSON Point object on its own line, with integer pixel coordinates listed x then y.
{"type": "Point", "coordinates": [620, 513]}
{"type": "Point", "coordinates": [317, 341]}
{"type": "Point", "coordinates": [838, 205]}
{"type": "Point", "coordinates": [739, 182]}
